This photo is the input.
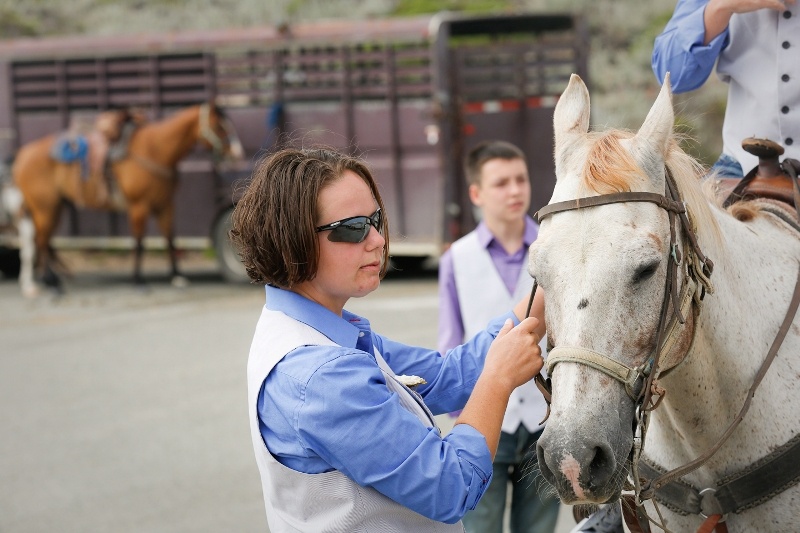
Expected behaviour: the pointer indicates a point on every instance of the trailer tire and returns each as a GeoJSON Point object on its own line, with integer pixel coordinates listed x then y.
{"type": "Point", "coordinates": [228, 259]}
{"type": "Point", "coordinates": [9, 262]}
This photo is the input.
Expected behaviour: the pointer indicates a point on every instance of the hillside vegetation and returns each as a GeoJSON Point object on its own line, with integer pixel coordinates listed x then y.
{"type": "Point", "coordinates": [622, 31]}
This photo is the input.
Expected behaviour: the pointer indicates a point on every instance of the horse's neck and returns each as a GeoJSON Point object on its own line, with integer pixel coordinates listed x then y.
{"type": "Point", "coordinates": [169, 140]}
{"type": "Point", "coordinates": [753, 280]}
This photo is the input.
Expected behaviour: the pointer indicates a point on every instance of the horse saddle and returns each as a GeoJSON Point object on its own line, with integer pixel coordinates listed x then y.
{"type": "Point", "coordinates": [769, 179]}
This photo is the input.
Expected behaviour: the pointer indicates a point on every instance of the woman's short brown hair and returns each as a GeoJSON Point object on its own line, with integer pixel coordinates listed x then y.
{"type": "Point", "coordinates": [274, 222]}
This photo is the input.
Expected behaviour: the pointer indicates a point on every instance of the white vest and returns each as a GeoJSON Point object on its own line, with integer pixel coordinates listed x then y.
{"type": "Point", "coordinates": [483, 295]}
{"type": "Point", "coordinates": [330, 501]}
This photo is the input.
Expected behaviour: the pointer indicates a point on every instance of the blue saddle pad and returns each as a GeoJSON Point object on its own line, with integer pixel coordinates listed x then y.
{"type": "Point", "coordinates": [70, 148]}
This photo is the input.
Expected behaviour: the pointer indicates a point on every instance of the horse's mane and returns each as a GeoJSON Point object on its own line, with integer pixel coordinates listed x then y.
{"type": "Point", "coordinates": [610, 168]}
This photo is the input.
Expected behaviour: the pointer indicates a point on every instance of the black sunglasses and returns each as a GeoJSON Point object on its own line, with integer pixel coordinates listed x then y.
{"type": "Point", "coordinates": [353, 229]}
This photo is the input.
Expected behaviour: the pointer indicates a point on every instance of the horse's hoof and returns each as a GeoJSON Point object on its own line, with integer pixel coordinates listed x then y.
{"type": "Point", "coordinates": [56, 290]}
{"type": "Point", "coordinates": [30, 291]}
{"type": "Point", "coordinates": [180, 282]}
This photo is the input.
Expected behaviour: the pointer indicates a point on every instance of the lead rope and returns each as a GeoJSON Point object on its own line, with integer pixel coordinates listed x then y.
{"type": "Point", "coordinates": [545, 386]}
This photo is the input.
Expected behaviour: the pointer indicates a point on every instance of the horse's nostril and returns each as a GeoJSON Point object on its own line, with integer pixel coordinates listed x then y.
{"type": "Point", "coordinates": [602, 467]}
{"type": "Point", "coordinates": [543, 467]}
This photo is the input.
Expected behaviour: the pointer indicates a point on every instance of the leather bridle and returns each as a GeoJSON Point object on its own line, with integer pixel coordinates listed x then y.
{"type": "Point", "coordinates": [638, 381]}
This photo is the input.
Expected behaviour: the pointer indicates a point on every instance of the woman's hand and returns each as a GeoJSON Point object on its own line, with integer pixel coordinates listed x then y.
{"type": "Point", "coordinates": [514, 357]}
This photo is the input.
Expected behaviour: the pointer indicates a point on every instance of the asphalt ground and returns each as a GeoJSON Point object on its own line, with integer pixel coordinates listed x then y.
{"type": "Point", "coordinates": [124, 410]}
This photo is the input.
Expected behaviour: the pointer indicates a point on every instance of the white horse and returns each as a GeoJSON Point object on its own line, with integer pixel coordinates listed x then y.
{"type": "Point", "coordinates": [604, 270]}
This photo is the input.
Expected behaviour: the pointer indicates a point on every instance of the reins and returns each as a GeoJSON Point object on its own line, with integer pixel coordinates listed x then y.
{"type": "Point", "coordinates": [544, 385]}
{"type": "Point", "coordinates": [649, 489]}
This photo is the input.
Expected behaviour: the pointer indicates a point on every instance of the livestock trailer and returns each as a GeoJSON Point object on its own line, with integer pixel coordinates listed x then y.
{"type": "Point", "coordinates": [411, 95]}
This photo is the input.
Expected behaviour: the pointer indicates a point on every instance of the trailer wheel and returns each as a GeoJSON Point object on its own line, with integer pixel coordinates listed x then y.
{"type": "Point", "coordinates": [230, 264]}
{"type": "Point", "coordinates": [9, 262]}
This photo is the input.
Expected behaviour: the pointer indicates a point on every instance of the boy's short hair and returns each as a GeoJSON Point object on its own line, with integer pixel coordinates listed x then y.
{"type": "Point", "coordinates": [274, 223]}
{"type": "Point", "coordinates": [485, 151]}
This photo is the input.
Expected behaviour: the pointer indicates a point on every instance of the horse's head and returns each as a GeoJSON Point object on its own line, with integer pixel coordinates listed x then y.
{"type": "Point", "coordinates": [217, 133]}
{"type": "Point", "coordinates": [603, 270]}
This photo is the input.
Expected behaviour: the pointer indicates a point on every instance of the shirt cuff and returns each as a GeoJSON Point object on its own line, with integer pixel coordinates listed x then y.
{"type": "Point", "coordinates": [474, 452]}
{"type": "Point", "coordinates": [496, 324]}
{"type": "Point", "coordinates": [696, 27]}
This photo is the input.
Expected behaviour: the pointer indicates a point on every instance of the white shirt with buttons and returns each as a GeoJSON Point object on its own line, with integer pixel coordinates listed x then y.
{"type": "Point", "coordinates": [762, 67]}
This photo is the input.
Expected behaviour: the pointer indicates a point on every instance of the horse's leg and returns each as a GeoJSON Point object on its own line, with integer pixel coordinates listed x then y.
{"type": "Point", "coordinates": [166, 219]}
{"type": "Point", "coordinates": [27, 256]}
{"type": "Point", "coordinates": [44, 222]}
{"type": "Point", "coordinates": [137, 217]}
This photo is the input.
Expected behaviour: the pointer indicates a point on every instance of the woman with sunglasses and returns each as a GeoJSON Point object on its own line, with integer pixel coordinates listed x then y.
{"type": "Point", "coordinates": [341, 440]}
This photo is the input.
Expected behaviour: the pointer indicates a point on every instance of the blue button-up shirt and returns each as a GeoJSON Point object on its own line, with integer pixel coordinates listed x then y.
{"type": "Point", "coordinates": [324, 408]}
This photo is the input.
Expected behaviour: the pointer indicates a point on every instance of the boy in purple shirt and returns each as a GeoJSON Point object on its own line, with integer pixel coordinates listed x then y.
{"type": "Point", "coordinates": [480, 277]}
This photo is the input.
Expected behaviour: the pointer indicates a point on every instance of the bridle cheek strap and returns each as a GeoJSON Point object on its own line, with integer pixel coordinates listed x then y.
{"type": "Point", "coordinates": [630, 376]}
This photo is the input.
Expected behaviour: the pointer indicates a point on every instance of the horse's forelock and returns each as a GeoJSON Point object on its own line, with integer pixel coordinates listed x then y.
{"type": "Point", "coordinates": [609, 168]}
{"type": "Point", "coordinates": [219, 111]}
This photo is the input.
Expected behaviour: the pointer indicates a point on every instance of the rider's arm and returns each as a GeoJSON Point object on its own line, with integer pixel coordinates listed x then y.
{"type": "Point", "coordinates": [681, 49]}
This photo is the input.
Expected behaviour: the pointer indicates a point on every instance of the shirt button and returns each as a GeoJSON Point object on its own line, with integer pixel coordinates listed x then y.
{"type": "Point", "coordinates": [785, 109]}
{"type": "Point", "coordinates": [785, 77]}
{"type": "Point", "coordinates": [785, 45]}
{"type": "Point", "coordinates": [787, 14]}
{"type": "Point", "coordinates": [789, 141]}
{"type": "Point", "coordinates": [361, 334]}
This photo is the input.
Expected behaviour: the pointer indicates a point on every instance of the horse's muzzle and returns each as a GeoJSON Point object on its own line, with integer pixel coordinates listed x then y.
{"type": "Point", "coordinates": [587, 468]}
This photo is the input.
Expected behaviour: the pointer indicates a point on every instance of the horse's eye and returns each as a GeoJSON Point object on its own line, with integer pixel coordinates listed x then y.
{"type": "Point", "coordinates": [645, 272]}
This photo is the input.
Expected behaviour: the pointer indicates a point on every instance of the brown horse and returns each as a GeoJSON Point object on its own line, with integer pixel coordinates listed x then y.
{"type": "Point", "coordinates": [146, 177]}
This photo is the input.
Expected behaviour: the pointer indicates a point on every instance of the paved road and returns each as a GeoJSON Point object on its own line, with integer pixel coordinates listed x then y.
{"type": "Point", "coordinates": [124, 410]}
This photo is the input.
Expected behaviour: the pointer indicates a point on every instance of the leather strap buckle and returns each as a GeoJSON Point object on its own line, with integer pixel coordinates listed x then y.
{"type": "Point", "coordinates": [709, 505]}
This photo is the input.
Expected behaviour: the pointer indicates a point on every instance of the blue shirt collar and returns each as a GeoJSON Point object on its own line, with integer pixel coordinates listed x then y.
{"type": "Point", "coordinates": [343, 330]}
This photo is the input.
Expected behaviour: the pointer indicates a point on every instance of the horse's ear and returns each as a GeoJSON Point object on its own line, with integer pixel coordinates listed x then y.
{"type": "Point", "coordinates": [657, 127]}
{"type": "Point", "coordinates": [571, 116]}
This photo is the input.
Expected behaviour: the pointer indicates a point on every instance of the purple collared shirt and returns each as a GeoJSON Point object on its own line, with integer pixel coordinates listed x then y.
{"type": "Point", "coordinates": [451, 327]}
